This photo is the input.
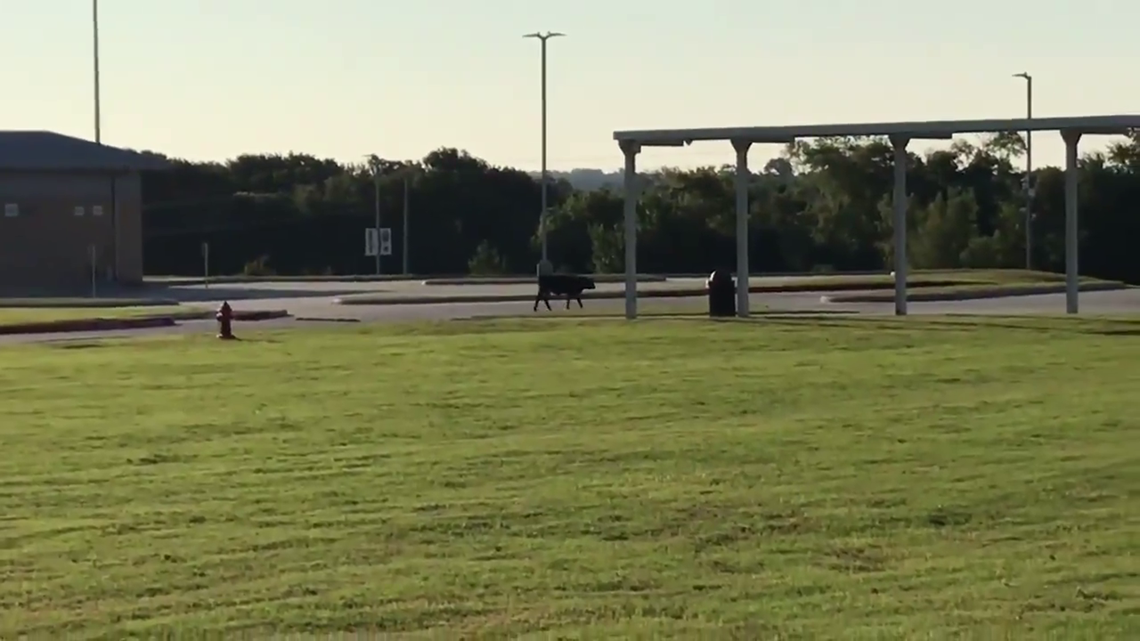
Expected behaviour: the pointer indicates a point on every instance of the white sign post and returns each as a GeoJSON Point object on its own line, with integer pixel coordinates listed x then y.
{"type": "Point", "coordinates": [385, 241]}
{"type": "Point", "coordinates": [371, 242]}
{"type": "Point", "coordinates": [206, 265]}
{"type": "Point", "coordinates": [94, 270]}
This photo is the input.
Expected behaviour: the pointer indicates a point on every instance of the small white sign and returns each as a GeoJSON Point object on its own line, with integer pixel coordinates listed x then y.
{"type": "Point", "coordinates": [97, 210]}
{"type": "Point", "coordinates": [79, 210]}
{"type": "Point", "coordinates": [385, 241]}
{"type": "Point", "coordinates": [11, 210]}
{"type": "Point", "coordinates": [371, 241]}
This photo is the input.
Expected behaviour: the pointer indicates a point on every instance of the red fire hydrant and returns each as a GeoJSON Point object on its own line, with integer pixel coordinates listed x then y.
{"type": "Point", "coordinates": [225, 317]}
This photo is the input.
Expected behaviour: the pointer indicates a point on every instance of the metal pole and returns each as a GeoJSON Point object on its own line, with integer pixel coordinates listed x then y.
{"type": "Point", "coordinates": [407, 208]}
{"type": "Point", "coordinates": [1029, 188]}
{"type": "Point", "coordinates": [376, 183]}
{"type": "Point", "coordinates": [94, 271]}
{"type": "Point", "coordinates": [206, 264]}
{"type": "Point", "coordinates": [742, 265]}
{"type": "Point", "coordinates": [116, 258]}
{"type": "Point", "coordinates": [542, 219]}
{"type": "Point", "coordinates": [629, 209]}
{"type": "Point", "coordinates": [899, 206]}
{"type": "Point", "coordinates": [1072, 242]}
{"type": "Point", "coordinates": [543, 37]}
{"type": "Point", "coordinates": [1027, 185]}
{"type": "Point", "coordinates": [95, 32]}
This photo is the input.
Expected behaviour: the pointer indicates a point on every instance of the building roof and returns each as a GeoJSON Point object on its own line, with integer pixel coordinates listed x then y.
{"type": "Point", "coordinates": [937, 129]}
{"type": "Point", "coordinates": [49, 151]}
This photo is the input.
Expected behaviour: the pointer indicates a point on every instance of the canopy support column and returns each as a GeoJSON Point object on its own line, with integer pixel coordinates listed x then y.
{"type": "Point", "coordinates": [743, 178]}
{"type": "Point", "coordinates": [1072, 236]}
{"type": "Point", "coordinates": [899, 222]}
{"type": "Point", "coordinates": [630, 149]}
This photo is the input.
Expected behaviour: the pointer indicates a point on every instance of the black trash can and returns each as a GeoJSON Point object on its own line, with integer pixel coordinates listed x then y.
{"type": "Point", "coordinates": [722, 294]}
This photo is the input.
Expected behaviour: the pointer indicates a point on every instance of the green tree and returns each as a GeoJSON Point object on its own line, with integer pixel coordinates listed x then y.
{"type": "Point", "coordinates": [823, 204]}
{"type": "Point", "coordinates": [486, 261]}
{"type": "Point", "coordinates": [944, 230]}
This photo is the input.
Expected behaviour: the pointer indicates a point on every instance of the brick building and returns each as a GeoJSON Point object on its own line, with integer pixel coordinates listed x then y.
{"type": "Point", "coordinates": [71, 208]}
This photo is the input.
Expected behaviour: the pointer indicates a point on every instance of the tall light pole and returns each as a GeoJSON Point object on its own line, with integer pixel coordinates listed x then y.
{"type": "Point", "coordinates": [1028, 186]}
{"type": "Point", "coordinates": [95, 58]}
{"type": "Point", "coordinates": [374, 164]}
{"type": "Point", "coordinates": [543, 37]}
{"type": "Point", "coordinates": [407, 209]}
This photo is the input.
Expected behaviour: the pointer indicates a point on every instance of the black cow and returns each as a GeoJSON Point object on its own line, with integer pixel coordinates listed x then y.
{"type": "Point", "coordinates": [567, 285]}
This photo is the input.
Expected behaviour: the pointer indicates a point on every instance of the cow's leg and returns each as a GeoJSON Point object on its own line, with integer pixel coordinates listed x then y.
{"type": "Point", "coordinates": [579, 301]}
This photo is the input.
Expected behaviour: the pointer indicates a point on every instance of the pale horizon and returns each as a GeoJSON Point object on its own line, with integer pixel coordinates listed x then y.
{"type": "Point", "coordinates": [208, 80]}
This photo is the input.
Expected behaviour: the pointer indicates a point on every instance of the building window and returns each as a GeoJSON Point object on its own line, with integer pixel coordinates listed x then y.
{"type": "Point", "coordinates": [11, 210]}
{"type": "Point", "coordinates": [97, 210]}
{"type": "Point", "coordinates": [79, 210]}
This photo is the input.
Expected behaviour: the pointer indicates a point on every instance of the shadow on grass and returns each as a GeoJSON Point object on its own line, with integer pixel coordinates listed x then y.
{"type": "Point", "coordinates": [1134, 330]}
{"type": "Point", "coordinates": [1047, 325]}
{"type": "Point", "coordinates": [76, 344]}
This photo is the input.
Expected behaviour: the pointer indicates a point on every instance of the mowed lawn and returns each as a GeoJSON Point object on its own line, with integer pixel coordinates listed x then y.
{"type": "Point", "coordinates": [22, 315]}
{"type": "Point", "coordinates": [785, 478]}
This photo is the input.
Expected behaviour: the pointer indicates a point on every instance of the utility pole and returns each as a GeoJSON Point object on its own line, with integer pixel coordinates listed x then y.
{"type": "Point", "coordinates": [543, 37]}
{"type": "Point", "coordinates": [407, 208]}
{"type": "Point", "coordinates": [1028, 186]}
{"type": "Point", "coordinates": [374, 162]}
{"type": "Point", "coordinates": [95, 33]}
{"type": "Point", "coordinates": [376, 183]}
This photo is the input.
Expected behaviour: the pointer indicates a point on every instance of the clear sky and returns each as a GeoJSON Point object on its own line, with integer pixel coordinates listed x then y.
{"type": "Point", "coordinates": [210, 79]}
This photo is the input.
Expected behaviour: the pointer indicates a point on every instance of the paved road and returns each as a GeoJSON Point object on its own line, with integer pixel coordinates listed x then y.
{"type": "Point", "coordinates": [316, 301]}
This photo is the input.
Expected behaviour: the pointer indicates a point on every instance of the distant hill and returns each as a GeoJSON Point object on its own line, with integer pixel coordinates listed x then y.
{"type": "Point", "coordinates": [585, 179]}
{"type": "Point", "coordinates": [592, 179]}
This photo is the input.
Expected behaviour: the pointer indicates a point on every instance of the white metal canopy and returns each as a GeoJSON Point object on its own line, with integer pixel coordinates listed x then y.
{"type": "Point", "coordinates": [900, 134]}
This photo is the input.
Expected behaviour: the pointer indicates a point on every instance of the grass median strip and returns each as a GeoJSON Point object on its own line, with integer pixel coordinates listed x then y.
{"type": "Point", "coordinates": [824, 478]}
{"type": "Point", "coordinates": [973, 292]}
{"type": "Point", "coordinates": [25, 315]}
{"type": "Point", "coordinates": [13, 318]}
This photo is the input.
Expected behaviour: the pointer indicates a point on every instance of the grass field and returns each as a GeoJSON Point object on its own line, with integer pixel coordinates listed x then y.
{"type": "Point", "coordinates": [784, 478]}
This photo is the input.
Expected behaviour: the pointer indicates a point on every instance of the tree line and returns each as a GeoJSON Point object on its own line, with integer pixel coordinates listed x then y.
{"type": "Point", "coordinates": [821, 205]}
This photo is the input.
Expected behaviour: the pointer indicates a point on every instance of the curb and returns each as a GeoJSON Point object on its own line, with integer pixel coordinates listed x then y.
{"type": "Point", "coordinates": [237, 280]}
{"type": "Point", "coordinates": [246, 316]}
{"type": "Point", "coordinates": [527, 280]}
{"type": "Point", "coordinates": [122, 324]}
{"type": "Point", "coordinates": [87, 325]}
{"type": "Point", "coordinates": [253, 316]}
{"type": "Point", "coordinates": [324, 319]}
{"type": "Point", "coordinates": [383, 278]}
{"type": "Point", "coordinates": [981, 293]}
{"type": "Point", "coordinates": [85, 303]}
{"type": "Point", "coordinates": [463, 278]}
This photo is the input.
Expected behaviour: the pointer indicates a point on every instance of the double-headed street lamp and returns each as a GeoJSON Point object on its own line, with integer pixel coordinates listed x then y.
{"type": "Point", "coordinates": [543, 37]}
{"type": "Point", "coordinates": [1028, 185]}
